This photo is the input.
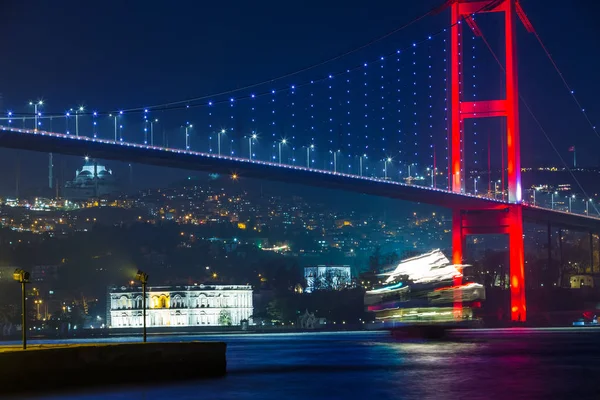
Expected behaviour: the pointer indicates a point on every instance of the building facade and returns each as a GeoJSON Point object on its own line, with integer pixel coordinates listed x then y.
{"type": "Point", "coordinates": [180, 306]}
{"type": "Point", "coordinates": [327, 277]}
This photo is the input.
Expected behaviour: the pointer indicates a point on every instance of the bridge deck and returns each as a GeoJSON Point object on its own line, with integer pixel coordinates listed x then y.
{"type": "Point", "coordinates": [190, 160]}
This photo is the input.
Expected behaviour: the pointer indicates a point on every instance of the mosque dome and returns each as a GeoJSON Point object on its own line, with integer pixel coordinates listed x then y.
{"type": "Point", "coordinates": [92, 181]}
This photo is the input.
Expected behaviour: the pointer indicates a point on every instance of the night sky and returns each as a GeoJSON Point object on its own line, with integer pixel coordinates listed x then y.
{"type": "Point", "coordinates": [117, 55]}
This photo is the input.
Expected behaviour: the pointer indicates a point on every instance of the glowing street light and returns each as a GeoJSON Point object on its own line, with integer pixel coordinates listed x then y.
{"type": "Point", "coordinates": [152, 131]}
{"type": "Point", "coordinates": [115, 116]}
{"type": "Point", "coordinates": [572, 197]}
{"type": "Point", "coordinates": [35, 108]}
{"type": "Point", "coordinates": [552, 199]}
{"type": "Point", "coordinates": [79, 110]}
{"type": "Point", "coordinates": [22, 277]}
{"type": "Point", "coordinates": [308, 150]}
{"type": "Point", "coordinates": [221, 132]}
{"type": "Point", "coordinates": [250, 139]}
{"type": "Point", "coordinates": [283, 141]}
{"type": "Point", "coordinates": [385, 163]}
{"type": "Point", "coordinates": [142, 277]}
{"type": "Point", "coordinates": [334, 160]}
{"type": "Point", "coordinates": [187, 135]}
{"type": "Point", "coordinates": [37, 303]}
{"type": "Point", "coordinates": [587, 204]}
{"type": "Point", "coordinates": [360, 164]}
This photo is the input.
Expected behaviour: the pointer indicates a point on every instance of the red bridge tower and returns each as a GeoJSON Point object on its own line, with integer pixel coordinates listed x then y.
{"type": "Point", "coordinates": [504, 219]}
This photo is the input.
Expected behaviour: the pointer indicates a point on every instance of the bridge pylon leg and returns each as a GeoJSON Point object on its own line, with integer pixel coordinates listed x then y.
{"type": "Point", "coordinates": [518, 306]}
{"type": "Point", "coordinates": [458, 242]}
{"type": "Point", "coordinates": [506, 220]}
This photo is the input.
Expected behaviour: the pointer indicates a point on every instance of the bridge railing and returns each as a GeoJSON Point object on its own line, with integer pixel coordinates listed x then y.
{"type": "Point", "coordinates": [562, 201]}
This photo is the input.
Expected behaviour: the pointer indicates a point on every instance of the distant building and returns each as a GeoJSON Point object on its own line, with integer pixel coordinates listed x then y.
{"type": "Point", "coordinates": [177, 306]}
{"type": "Point", "coordinates": [327, 277]}
{"type": "Point", "coordinates": [92, 181]}
{"type": "Point", "coordinates": [581, 281]}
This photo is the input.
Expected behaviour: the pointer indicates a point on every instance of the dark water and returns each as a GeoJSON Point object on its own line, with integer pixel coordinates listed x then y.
{"type": "Point", "coordinates": [484, 364]}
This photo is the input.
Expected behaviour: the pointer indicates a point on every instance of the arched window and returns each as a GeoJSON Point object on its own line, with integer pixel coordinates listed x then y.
{"type": "Point", "coordinates": [123, 303]}
{"type": "Point", "coordinates": [177, 301]}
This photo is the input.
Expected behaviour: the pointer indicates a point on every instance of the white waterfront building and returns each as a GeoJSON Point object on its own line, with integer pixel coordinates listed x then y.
{"type": "Point", "coordinates": [178, 306]}
{"type": "Point", "coordinates": [327, 277]}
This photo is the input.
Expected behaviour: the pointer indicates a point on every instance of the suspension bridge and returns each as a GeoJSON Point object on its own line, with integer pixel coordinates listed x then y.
{"type": "Point", "coordinates": [369, 127]}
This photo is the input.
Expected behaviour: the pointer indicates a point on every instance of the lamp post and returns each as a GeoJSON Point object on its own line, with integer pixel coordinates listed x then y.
{"type": "Point", "coordinates": [429, 169]}
{"type": "Point", "coordinates": [37, 305]}
{"type": "Point", "coordinates": [80, 109]}
{"type": "Point", "coordinates": [115, 116]}
{"type": "Point", "coordinates": [385, 163]}
{"type": "Point", "coordinates": [250, 139]}
{"type": "Point", "coordinates": [571, 197]}
{"type": "Point", "coordinates": [142, 277]}
{"type": "Point", "coordinates": [283, 141]}
{"type": "Point", "coordinates": [360, 164]}
{"type": "Point", "coordinates": [23, 278]}
{"type": "Point", "coordinates": [334, 160]}
{"type": "Point", "coordinates": [219, 141]}
{"type": "Point", "coordinates": [187, 136]}
{"type": "Point", "coordinates": [152, 131]}
{"type": "Point", "coordinates": [552, 199]}
{"type": "Point", "coordinates": [35, 108]}
{"type": "Point", "coordinates": [587, 204]}
{"type": "Point", "coordinates": [308, 149]}
{"type": "Point", "coordinates": [534, 190]}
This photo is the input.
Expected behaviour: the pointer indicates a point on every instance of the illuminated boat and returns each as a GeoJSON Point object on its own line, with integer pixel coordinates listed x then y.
{"type": "Point", "coordinates": [421, 289]}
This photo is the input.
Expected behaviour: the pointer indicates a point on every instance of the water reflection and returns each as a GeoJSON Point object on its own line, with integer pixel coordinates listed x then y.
{"type": "Point", "coordinates": [503, 364]}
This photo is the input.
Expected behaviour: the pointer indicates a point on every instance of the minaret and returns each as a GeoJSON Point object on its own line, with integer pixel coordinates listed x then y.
{"type": "Point", "coordinates": [18, 177]}
{"type": "Point", "coordinates": [96, 179]}
{"type": "Point", "coordinates": [50, 165]}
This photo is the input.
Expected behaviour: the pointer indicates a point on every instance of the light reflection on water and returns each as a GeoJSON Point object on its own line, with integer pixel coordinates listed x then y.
{"type": "Point", "coordinates": [491, 365]}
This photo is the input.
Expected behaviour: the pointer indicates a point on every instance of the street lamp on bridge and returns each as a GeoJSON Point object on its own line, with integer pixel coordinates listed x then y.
{"type": "Point", "coordinates": [308, 150]}
{"type": "Point", "coordinates": [152, 131]}
{"type": "Point", "coordinates": [35, 111]}
{"type": "Point", "coordinates": [570, 198]}
{"type": "Point", "coordinates": [385, 163]}
{"type": "Point", "coordinates": [252, 137]}
{"type": "Point", "coordinates": [115, 116]}
{"type": "Point", "coordinates": [77, 112]}
{"type": "Point", "coordinates": [283, 141]}
{"type": "Point", "coordinates": [221, 132]}
{"type": "Point", "coordinates": [187, 135]}
{"type": "Point", "coordinates": [360, 164]}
